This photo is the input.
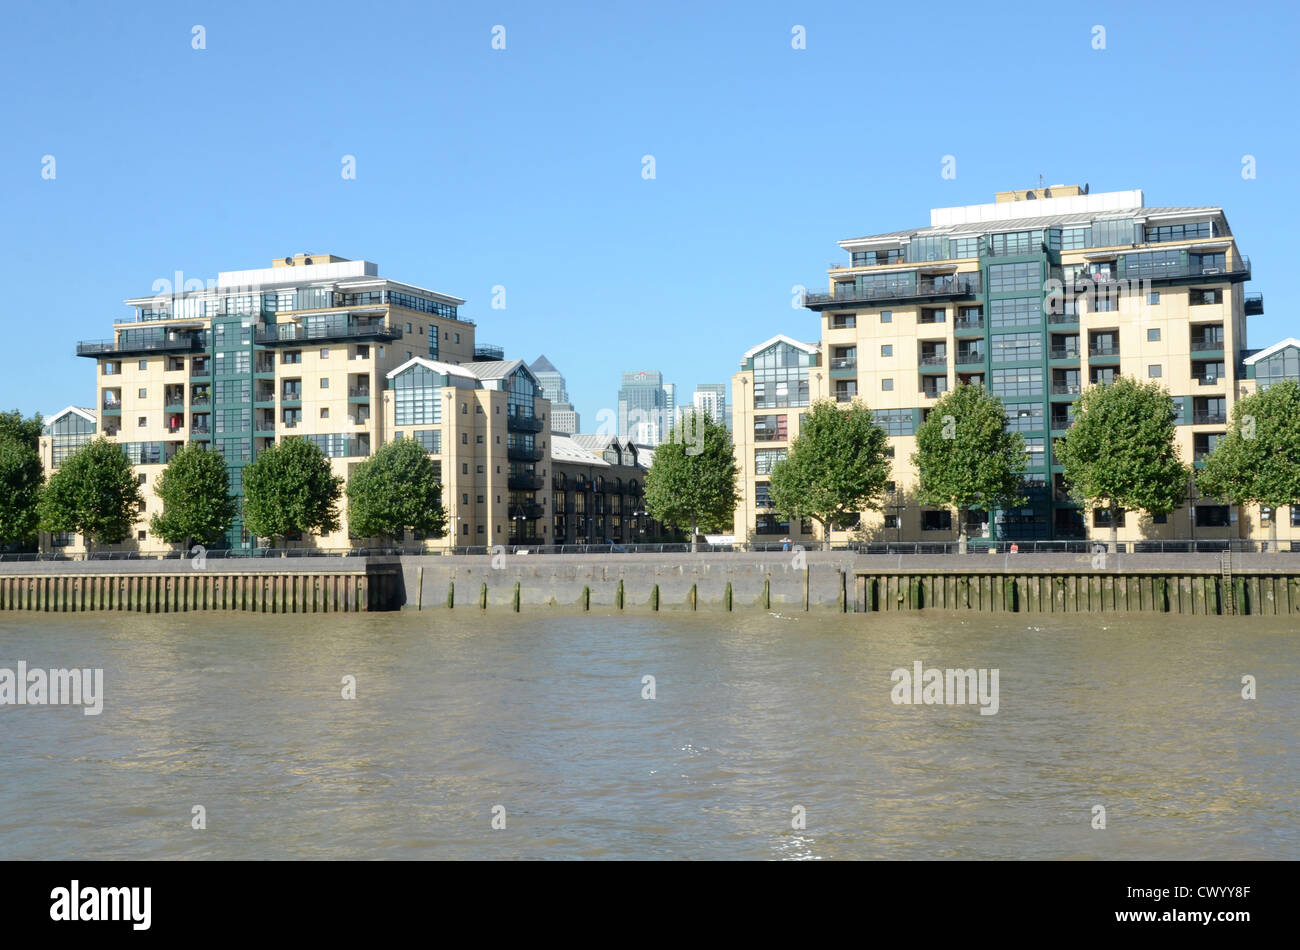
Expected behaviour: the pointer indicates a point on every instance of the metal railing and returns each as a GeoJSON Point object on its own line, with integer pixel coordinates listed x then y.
{"type": "Point", "coordinates": [960, 285]}
{"type": "Point", "coordinates": [1065, 353]}
{"type": "Point", "coordinates": [111, 347]}
{"type": "Point", "coordinates": [518, 423]}
{"type": "Point", "coordinates": [1209, 418]}
{"type": "Point", "coordinates": [976, 548]}
{"type": "Point", "coordinates": [1103, 349]}
{"type": "Point", "coordinates": [844, 362]}
{"type": "Point", "coordinates": [1066, 389]}
{"type": "Point", "coordinates": [278, 333]}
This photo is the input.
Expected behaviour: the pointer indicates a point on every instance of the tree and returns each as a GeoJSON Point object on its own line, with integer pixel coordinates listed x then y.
{"type": "Point", "coordinates": [1258, 461]}
{"type": "Point", "coordinates": [966, 458]}
{"type": "Point", "coordinates": [693, 476]}
{"type": "Point", "coordinates": [291, 489]}
{"type": "Point", "coordinates": [1120, 452]}
{"type": "Point", "coordinates": [24, 431]}
{"type": "Point", "coordinates": [94, 493]}
{"type": "Point", "coordinates": [195, 492]}
{"type": "Point", "coordinates": [21, 479]}
{"type": "Point", "coordinates": [398, 488]}
{"type": "Point", "coordinates": [835, 468]}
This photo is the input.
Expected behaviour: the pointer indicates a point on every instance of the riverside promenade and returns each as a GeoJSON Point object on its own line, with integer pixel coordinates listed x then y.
{"type": "Point", "coordinates": [841, 581]}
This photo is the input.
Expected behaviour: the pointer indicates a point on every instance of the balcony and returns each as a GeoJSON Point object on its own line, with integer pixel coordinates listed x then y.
{"type": "Point", "coordinates": [200, 429]}
{"type": "Point", "coordinates": [526, 512]}
{"type": "Point", "coordinates": [1208, 380]}
{"type": "Point", "coordinates": [359, 393]}
{"type": "Point", "coordinates": [518, 423]}
{"type": "Point", "coordinates": [1063, 319]}
{"type": "Point", "coordinates": [486, 352]}
{"type": "Point", "coordinates": [968, 324]}
{"type": "Point", "coordinates": [1209, 418]}
{"type": "Point", "coordinates": [1208, 345]}
{"type": "Point", "coordinates": [525, 482]}
{"type": "Point", "coordinates": [288, 334]}
{"type": "Point", "coordinates": [957, 285]}
{"type": "Point", "coordinates": [136, 347]}
{"type": "Point", "coordinates": [200, 372]}
{"type": "Point", "coordinates": [1064, 353]}
{"type": "Point", "coordinates": [196, 401]}
{"type": "Point", "coordinates": [1103, 351]}
{"type": "Point", "coordinates": [844, 362]}
{"type": "Point", "coordinates": [845, 395]}
{"type": "Point", "coordinates": [292, 398]}
{"type": "Point", "coordinates": [1066, 389]}
{"type": "Point", "coordinates": [970, 358]}
{"type": "Point", "coordinates": [1254, 305]}
{"type": "Point", "coordinates": [519, 453]}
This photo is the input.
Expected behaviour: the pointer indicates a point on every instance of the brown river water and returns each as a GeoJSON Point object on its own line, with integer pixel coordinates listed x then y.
{"type": "Point", "coordinates": [759, 723]}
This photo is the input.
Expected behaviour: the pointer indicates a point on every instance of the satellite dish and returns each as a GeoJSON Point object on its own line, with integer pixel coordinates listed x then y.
{"type": "Point", "coordinates": [306, 260]}
{"type": "Point", "coordinates": [288, 261]}
{"type": "Point", "coordinates": [1030, 196]}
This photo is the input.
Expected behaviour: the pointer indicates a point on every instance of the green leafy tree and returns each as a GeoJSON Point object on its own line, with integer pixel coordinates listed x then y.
{"type": "Point", "coordinates": [693, 476]}
{"type": "Point", "coordinates": [21, 480]}
{"type": "Point", "coordinates": [1258, 461]}
{"type": "Point", "coordinates": [94, 493]}
{"type": "Point", "coordinates": [291, 489]}
{"type": "Point", "coordinates": [24, 431]}
{"type": "Point", "coordinates": [835, 468]}
{"type": "Point", "coordinates": [1120, 452]}
{"type": "Point", "coordinates": [966, 458]}
{"type": "Point", "coordinates": [195, 492]}
{"type": "Point", "coordinates": [398, 488]}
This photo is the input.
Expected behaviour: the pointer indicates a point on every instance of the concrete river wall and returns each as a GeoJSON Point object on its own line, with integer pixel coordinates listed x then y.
{"type": "Point", "coordinates": [777, 581]}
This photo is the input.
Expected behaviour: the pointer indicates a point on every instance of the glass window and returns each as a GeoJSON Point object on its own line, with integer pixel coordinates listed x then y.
{"type": "Point", "coordinates": [1023, 416]}
{"type": "Point", "coordinates": [416, 397]}
{"type": "Point", "coordinates": [896, 421]}
{"type": "Point", "coordinates": [1153, 335]}
{"type": "Point", "coordinates": [887, 349]}
{"type": "Point", "coordinates": [1015, 312]}
{"type": "Point", "coordinates": [1009, 278]}
{"type": "Point", "coordinates": [887, 385]}
{"type": "Point", "coordinates": [1016, 347]}
{"type": "Point", "coordinates": [764, 459]}
{"type": "Point", "coordinates": [1027, 381]}
{"type": "Point", "coordinates": [1192, 231]}
{"type": "Point", "coordinates": [1112, 232]}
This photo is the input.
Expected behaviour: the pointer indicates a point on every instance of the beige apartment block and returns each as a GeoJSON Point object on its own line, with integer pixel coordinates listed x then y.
{"type": "Point", "coordinates": [1036, 296]}
{"type": "Point", "coordinates": [306, 347]}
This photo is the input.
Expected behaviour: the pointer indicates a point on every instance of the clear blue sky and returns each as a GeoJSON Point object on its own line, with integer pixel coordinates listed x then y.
{"type": "Point", "coordinates": [523, 167]}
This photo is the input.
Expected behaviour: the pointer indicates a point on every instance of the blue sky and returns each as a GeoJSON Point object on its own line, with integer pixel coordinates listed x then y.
{"type": "Point", "coordinates": [522, 167]}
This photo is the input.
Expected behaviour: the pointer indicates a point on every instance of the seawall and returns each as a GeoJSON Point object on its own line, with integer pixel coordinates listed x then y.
{"type": "Point", "coordinates": [1193, 584]}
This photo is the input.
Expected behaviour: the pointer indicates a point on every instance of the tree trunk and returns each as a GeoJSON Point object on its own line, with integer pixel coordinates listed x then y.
{"type": "Point", "coordinates": [826, 535]}
{"type": "Point", "coordinates": [1272, 532]}
{"type": "Point", "coordinates": [694, 525]}
{"type": "Point", "coordinates": [961, 531]}
{"type": "Point", "coordinates": [1114, 530]}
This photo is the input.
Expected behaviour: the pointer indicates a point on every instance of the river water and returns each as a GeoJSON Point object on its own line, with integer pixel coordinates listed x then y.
{"type": "Point", "coordinates": [757, 721]}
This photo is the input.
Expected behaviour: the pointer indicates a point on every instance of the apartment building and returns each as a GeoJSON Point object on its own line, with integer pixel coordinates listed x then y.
{"type": "Point", "coordinates": [599, 492]}
{"type": "Point", "coordinates": [1036, 296]}
{"type": "Point", "coordinates": [769, 396]}
{"type": "Point", "coordinates": [307, 347]}
{"type": "Point", "coordinates": [486, 424]}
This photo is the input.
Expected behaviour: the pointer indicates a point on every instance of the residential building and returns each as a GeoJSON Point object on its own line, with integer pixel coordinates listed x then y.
{"type": "Point", "coordinates": [711, 399]}
{"type": "Point", "coordinates": [316, 346]}
{"type": "Point", "coordinates": [599, 492]}
{"type": "Point", "coordinates": [770, 395]}
{"type": "Point", "coordinates": [1037, 296]}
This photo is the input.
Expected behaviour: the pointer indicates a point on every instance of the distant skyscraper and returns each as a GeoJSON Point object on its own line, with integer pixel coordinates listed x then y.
{"type": "Point", "coordinates": [711, 398]}
{"type": "Point", "coordinates": [642, 405]}
{"type": "Point", "coordinates": [670, 408]}
{"type": "Point", "coordinates": [564, 418]}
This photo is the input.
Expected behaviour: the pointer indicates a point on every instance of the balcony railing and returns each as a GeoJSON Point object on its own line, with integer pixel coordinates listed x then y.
{"type": "Point", "coordinates": [357, 391]}
{"type": "Point", "coordinates": [1065, 352]}
{"type": "Point", "coordinates": [98, 348]}
{"type": "Point", "coordinates": [1207, 343]}
{"type": "Point", "coordinates": [200, 372]}
{"type": "Point", "coordinates": [1209, 418]}
{"type": "Point", "coordinates": [934, 360]}
{"type": "Point", "coordinates": [1208, 380]}
{"type": "Point", "coordinates": [1066, 389]}
{"type": "Point", "coordinates": [958, 285]}
{"type": "Point", "coordinates": [519, 453]}
{"type": "Point", "coordinates": [969, 323]}
{"type": "Point", "coordinates": [844, 362]}
{"type": "Point", "coordinates": [282, 334]}
{"type": "Point", "coordinates": [526, 512]}
{"type": "Point", "coordinates": [1103, 349]}
{"type": "Point", "coordinates": [1062, 318]}
{"type": "Point", "coordinates": [970, 357]}
{"type": "Point", "coordinates": [518, 423]}
{"type": "Point", "coordinates": [842, 395]}
{"type": "Point", "coordinates": [200, 429]}
{"type": "Point", "coordinates": [525, 482]}
{"type": "Point", "coordinates": [485, 352]}
{"type": "Point", "coordinates": [1254, 305]}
